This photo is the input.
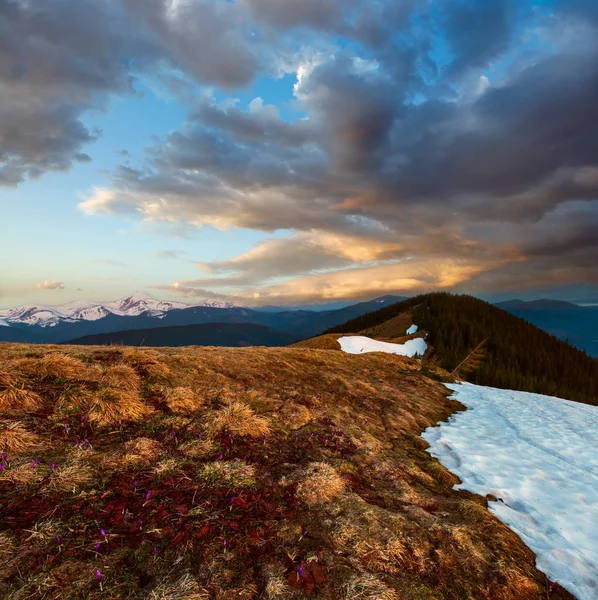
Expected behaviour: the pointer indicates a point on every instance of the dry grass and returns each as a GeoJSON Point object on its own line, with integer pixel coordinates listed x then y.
{"type": "Point", "coordinates": [183, 400]}
{"type": "Point", "coordinates": [122, 377]}
{"type": "Point", "coordinates": [146, 363]}
{"type": "Point", "coordinates": [198, 448]}
{"type": "Point", "coordinates": [71, 477]}
{"type": "Point", "coordinates": [239, 419]}
{"type": "Point", "coordinates": [7, 379]}
{"type": "Point", "coordinates": [320, 483]}
{"type": "Point", "coordinates": [321, 342]}
{"type": "Point", "coordinates": [14, 437]}
{"type": "Point", "coordinates": [368, 587]}
{"type": "Point", "coordinates": [183, 588]}
{"type": "Point", "coordinates": [277, 587]}
{"type": "Point", "coordinates": [234, 474]}
{"type": "Point", "coordinates": [142, 451]}
{"type": "Point", "coordinates": [168, 466]}
{"type": "Point", "coordinates": [61, 366]}
{"type": "Point", "coordinates": [21, 473]}
{"type": "Point", "coordinates": [111, 405]}
{"type": "Point", "coordinates": [15, 400]}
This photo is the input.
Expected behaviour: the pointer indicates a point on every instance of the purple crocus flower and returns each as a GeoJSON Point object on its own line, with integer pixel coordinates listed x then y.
{"type": "Point", "coordinates": [32, 465]}
{"type": "Point", "coordinates": [5, 456]}
{"type": "Point", "coordinates": [224, 471]}
{"type": "Point", "coordinates": [37, 461]}
{"type": "Point", "coordinates": [98, 575]}
{"type": "Point", "coordinates": [102, 533]}
{"type": "Point", "coordinates": [224, 543]}
{"type": "Point", "coordinates": [135, 484]}
{"type": "Point", "coordinates": [220, 457]}
{"type": "Point", "coordinates": [82, 419]}
{"type": "Point", "coordinates": [232, 500]}
{"type": "Point", "coordinates": [98, 547]}
{"type": "Point", "coordinates": [53, 466]}
{"type": "Point", "coordinates": [305, 533]}
{"type": "Point", "coordinates": [59, 540]}
{"type": "Point", "coordinates": [1, 467]}
{"type": "Point", "coordinates": [300, 571]}
{"type": "Point", "coordinates": [148, 496]}
{"type": "Point", "coordinates": [155, 549]}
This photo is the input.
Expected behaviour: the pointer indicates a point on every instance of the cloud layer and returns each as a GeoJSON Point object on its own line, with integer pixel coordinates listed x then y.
{"type": "Point", "coordinates": [438, 145]}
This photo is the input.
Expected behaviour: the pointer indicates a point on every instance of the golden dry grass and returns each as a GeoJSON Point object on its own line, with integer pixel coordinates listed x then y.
{"type": "Point", "coordinates": [142, 450]}
{"type": "Point", "coordinates": [15, 400]}
{"type": "Point", "coordinates": [238, 418]}
{"type": "Point", "coordinates": [122, 377]}
{"type": "Point", "coordinates": [320, 483]}
{"type": "Point", "coordinates": [15, 437]}
{"type": "Point", "coordinates": [21, 473]}
{"type": "Point", "coordinates": [71, 477]}
{"type": "Point", "coordinates": [321, 342]}
{"type": "Point", "coordinates": [146, 363]}
{"type": "Point", "coordinates": [111, 405]}
{"type": "Point", "coordinates": [61, 366]}
{"type": "Point", "coordinates": [183, 400]}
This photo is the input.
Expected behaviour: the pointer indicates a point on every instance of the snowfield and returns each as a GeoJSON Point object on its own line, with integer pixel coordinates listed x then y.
{"type": "Point", "coordinates": [358, 344]}
{"type": "Point", "coordinates": [412, 329]}
{"type": "Point", "coordinates": [539, 456]}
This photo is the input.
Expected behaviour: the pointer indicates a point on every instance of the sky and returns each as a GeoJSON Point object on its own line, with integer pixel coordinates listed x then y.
{"type": "Point", "coordinates": [287, 152]}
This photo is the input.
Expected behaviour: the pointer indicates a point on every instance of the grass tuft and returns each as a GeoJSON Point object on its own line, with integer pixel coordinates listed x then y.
{"type": "Point", "coordinates": [197, 448]}
{"type": "Point", "coordinates": [142, 451]}
{"type": "Point", "coordinates": [320, 483]}
{"type": "Point", "coordinates": [110, 405]}
{"type": "Point", "coordinates": [15, 400]}
{"type": "Point", "coordinates": [71, 477]}
{"type": "Point", "coordinates": [56, 365]}
{"type": "Point", "coordinates": [183, 400]}
{"type": "Point", "coordinates": [15, 438]}
{"type": "Point", "coordinates": [239, 419]}
{"type": "Point", "coordinates": [122, 377]}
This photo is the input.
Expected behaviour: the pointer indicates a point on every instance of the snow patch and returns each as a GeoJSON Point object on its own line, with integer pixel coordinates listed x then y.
{"type": "Point", "coordinates": [357, 344]}
{"type": "Point", "coordinates": [539, 455]}
{"type": "Point", "coordinates": [411, 329]}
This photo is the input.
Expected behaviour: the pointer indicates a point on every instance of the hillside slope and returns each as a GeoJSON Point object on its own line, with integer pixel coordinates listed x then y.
{"type": "Point", "coordinates": [208, 334]}
{"type": "Point", "coordinates": [219, 473]}
{"type": "Point", "coordinates": [519, 355]}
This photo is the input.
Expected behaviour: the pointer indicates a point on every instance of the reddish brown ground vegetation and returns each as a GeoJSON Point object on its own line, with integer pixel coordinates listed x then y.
{"type": "Point", "coordinates": [238, 473]}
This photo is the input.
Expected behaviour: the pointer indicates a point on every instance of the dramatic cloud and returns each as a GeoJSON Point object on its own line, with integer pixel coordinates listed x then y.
{"type": "Point", "coordinates": [50, 285]}
{"type": "Point", "coordinates": [433, 145]}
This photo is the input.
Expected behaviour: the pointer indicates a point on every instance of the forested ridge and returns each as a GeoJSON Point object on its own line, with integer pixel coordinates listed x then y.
{"type": "Point", "coordinates": [519, 356]}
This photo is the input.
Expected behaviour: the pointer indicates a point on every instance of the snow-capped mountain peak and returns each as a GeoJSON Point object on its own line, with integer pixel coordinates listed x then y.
{"type": "Point", "coordinates": [78, 310]}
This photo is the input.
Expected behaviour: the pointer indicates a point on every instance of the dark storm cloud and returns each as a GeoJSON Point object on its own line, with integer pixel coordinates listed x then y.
{"type": "Point", "coordinates": [61, 59]}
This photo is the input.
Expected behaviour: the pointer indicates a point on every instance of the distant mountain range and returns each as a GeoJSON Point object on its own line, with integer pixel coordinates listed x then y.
{"type": "Point", "coordinates": [567, 321]}
{"type": "Point", "coordinates": [74, 312]}
{"type": "Point", "coordinates": [206, 334]}
{"type": "Point", "coordinates": [43, 324]}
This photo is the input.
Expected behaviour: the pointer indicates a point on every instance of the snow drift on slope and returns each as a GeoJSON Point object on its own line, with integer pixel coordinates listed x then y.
{"type": "Point", "coordinates": [412, 329]}
{"type": "Point", "coordinates": [539, 455]}
{"type": "Point", "coordinates": [358, 344]}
